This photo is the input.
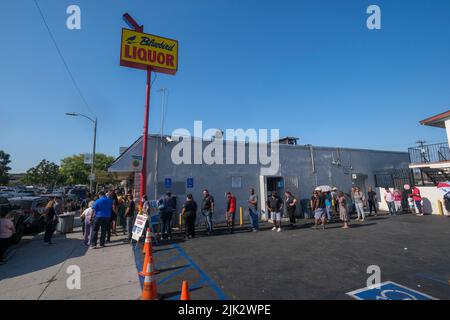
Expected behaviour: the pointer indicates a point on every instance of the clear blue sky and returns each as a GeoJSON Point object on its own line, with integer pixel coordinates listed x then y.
{"type": "Point", "coordinates": [310, 68]}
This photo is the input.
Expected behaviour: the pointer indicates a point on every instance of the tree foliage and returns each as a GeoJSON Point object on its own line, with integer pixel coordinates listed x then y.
{"type": "Point", "coordinates": [46, 173]}
{"type": "Point", "coordinates": [74, 171]}
{"type": "Point", "coordinates": [4, 169]}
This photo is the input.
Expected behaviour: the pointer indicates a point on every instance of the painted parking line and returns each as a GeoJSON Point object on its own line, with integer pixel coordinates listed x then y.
{"type": "Point", "coordinates": [389, 291]}
{"type": "Point", "coordinates": [204, 278]}
{"type": "Point", "coordinates": [432, 278]}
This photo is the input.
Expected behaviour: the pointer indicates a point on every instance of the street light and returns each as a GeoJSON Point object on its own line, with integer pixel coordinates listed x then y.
{"type": "Point", "coordinates": [94, 121]}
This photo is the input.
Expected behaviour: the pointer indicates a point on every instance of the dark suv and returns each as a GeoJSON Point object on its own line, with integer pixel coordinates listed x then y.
{"type": "Point", "coordinates": [18, 219]}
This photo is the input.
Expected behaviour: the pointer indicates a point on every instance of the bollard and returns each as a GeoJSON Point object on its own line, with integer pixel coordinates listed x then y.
{"type": "Point", "coordinates": [440, 209]}
{"type": "Point", "coordinates": [241, 215]}
{"type": "Point", "coordinates": [181, 220]}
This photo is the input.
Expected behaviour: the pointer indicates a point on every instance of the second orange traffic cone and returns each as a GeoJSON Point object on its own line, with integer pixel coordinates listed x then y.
{"type": "Point", "coordinates": [147, 240]}
{"type": "Point", "coordinates": [149, 291]}
{"type": "Point", "coordinates": [185, 291]}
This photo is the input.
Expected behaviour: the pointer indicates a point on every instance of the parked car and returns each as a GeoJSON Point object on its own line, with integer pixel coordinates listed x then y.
{"type": "Point", "coordinates": [25, 193]}
{"type": "Point", "coordinates": [32, 208]}
{"type": "Point", "coordinates": [18, 219]}
{"type": "Point", "coordinates": [78, 193]}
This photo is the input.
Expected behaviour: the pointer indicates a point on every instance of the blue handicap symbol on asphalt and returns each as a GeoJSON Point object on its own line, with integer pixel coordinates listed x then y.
{"type": "Point", "coordinates": [389, 291]}
{"type": "Point", "coordinates": [167, 183]}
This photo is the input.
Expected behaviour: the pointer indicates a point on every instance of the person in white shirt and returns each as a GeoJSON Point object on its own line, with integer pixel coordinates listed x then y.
{"type": "Point", "coordinates": [389, 198]}
{"type": "Point", "coordinates": [88, 216]}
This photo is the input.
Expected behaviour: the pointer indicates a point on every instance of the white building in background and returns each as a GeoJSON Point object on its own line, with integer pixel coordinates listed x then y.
{"type": "Point", "coordinates": [300, 169]}
{"type": "Point", "coordinates": [431, 164]}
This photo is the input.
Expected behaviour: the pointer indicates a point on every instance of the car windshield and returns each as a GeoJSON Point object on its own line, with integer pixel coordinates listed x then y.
{"type": "Point", "coordinates": [22, 204]}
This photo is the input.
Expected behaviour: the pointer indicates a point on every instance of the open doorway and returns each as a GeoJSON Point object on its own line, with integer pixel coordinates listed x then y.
{"type": "Point", "coordinates": [360, 180]}
{"type": "Point", "coordinates": [267, 186]}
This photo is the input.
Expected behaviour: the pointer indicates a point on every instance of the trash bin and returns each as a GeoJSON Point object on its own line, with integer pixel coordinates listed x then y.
{"type": "Point", "coordinates": [65, 222]}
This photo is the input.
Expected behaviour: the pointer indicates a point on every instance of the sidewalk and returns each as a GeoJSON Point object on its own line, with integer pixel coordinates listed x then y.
{"type": "Point", "coordinates": [36, 271]}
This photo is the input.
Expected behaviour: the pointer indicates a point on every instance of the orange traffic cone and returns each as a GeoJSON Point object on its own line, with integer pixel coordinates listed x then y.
{"type": "Point", "coordinates": [147, 240]}
{"type": "Point", "coordinates": [148, 263]}
{"type": "Point", "coordinates": [185, 291]}
{"type": "Point", "coordinates": [149, 291]}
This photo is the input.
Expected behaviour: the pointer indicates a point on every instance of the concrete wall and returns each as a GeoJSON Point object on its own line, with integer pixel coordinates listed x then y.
{"type": "Point", "coordinates": [296, 167]}
{"type": "Point", "coordinates": [430, 198]}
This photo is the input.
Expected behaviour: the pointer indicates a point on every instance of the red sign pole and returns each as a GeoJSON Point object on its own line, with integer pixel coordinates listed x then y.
{"type": "Point", "coordinates": [143, 185]}
{"type": "Point", "coordinates": [143, 176]}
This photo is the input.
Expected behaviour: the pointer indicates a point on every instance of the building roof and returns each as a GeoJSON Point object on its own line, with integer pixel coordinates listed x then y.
{"type": "Point", "coordinates": [437, 120]}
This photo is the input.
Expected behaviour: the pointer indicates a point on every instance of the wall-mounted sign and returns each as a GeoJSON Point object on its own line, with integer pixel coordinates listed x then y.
{"type": "Point", "coordinates": [167, 183]}
{"type": "Point", "coordinates": [236, 182]}
{"type": "Point", "coordinates": [141, 50]}
{"type": "Point", "coordinates": [136, 163]}
{"type": "Point", "coordinates": [190, 183]}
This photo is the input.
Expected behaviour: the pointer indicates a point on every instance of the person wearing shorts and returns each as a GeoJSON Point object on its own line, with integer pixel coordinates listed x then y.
{"type": "Point", "coordinates": [319, 208]}
{"type": "Point", "coordinates": [275, 204]}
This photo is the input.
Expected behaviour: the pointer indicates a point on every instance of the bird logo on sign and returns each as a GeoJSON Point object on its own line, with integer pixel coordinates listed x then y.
{"type": "Point", "coordinates": [130, 40]}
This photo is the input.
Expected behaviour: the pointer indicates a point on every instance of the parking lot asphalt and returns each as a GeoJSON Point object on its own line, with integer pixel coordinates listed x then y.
{"type": "Point", "coordinates": [303, 263]}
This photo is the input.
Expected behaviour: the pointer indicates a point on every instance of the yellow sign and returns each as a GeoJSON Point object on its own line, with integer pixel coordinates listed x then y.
{"type": "Point", "coordinates": [142, 50]}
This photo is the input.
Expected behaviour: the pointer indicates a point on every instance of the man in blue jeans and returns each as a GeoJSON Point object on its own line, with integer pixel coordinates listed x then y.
{"type": "Point", "coordinates": [208, 210]}
{"type": "Point", "coordinates": [253, 210]}
{"type": "Point", "coordinates": [102, 208]}
{"type": "Point", "coordinates": [129, 216]}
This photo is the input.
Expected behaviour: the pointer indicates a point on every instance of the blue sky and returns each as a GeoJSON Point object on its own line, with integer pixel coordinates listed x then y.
{"type": "Point", "coordinates": [310, 68]}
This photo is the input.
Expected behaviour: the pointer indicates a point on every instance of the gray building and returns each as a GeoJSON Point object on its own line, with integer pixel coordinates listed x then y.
{"type": "Point", "coordinates": [300, 169]}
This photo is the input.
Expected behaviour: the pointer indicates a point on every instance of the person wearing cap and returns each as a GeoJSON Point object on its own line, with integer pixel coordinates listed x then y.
{"type": "Point", "coordinates": [319, 208]}
{"type": "Point", "coordinates": [275, 205]}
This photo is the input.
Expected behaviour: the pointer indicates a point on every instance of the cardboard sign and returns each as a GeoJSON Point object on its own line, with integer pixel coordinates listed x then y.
{"type": "Point", "coordinates": [139, 225]}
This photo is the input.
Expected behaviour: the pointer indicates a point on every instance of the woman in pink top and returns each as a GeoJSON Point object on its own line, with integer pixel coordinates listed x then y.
{"type": "Point", "coordinates": [397, 201]}
{"type": "Point", "coordinates": [6, 232]}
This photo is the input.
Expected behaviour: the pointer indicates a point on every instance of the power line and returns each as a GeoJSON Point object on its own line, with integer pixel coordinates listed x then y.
{"type": "Point", "coordinates": [77, 88]}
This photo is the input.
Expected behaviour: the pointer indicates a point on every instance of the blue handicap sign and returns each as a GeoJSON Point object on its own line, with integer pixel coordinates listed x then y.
{"type": "Point", "coordinates": [389, 291]}
{"type": "Point", "coordinates": [190, 183]}
{"type": "Point", "coordinates": [167, 183]}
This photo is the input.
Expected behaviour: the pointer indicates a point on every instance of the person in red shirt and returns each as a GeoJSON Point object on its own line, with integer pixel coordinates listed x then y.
{"type": "Point", "coordinates": [231, 211]}
{"type": "Point", "coordinates": [417, 200]}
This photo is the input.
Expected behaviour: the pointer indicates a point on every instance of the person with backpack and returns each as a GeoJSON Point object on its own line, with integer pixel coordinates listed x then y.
{"type": "Point", "coordinates": [189, 212]}
{"type": "Point", "coordinates": [291, 206]}
{"type": "Point", "coordinates": [165, 215]}
{"type": "Point", "coordinates": [208, 210]}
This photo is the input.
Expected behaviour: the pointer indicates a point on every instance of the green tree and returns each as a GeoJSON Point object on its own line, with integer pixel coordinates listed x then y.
{"type": "Point", "coordinates": [45, 173]}
{"type": "Point", "coordinates": [4, 169]}
{"type": "Point", "coordinates": [74, 171]}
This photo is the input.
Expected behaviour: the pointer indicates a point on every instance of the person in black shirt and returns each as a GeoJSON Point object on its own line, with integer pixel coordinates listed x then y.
{"type": "Point", "coordinates": [319, 208]}
{"type": "Point", "coordinates": [372, 199]}
{"type": "Point", "coordinates": [189, 212]}
{"type": "Point", "coordinates": [208, 210]}
{"type": "Point", "coordinates": [275, 204]}
{"type": "Point", "coordinates": [50, 221]}
{"type": "Point", "coordinates": [129, 215]}
{"type": "Point", "coordinates": [291, 205]}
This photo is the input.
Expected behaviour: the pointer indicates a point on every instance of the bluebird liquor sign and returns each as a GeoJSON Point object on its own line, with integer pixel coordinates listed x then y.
{"type": "Point", "coordinates": [140, 50]}
{"type": "Point", "coordinates": [151, 53]}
